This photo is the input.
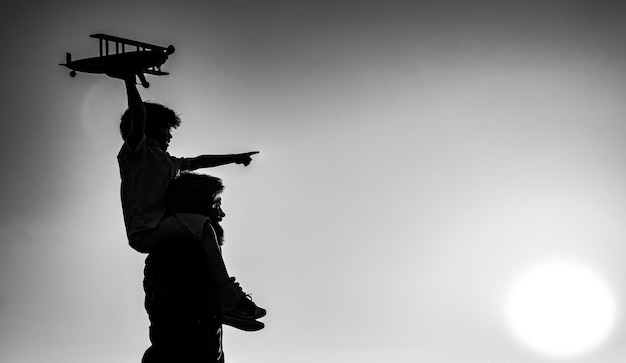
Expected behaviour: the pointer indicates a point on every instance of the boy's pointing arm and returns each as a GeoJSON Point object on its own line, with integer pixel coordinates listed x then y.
{"type": "Point", "coordinates": [209, 161]}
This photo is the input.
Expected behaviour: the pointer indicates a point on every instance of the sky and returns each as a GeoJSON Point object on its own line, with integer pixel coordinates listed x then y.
{"type": "Point", "coordinates": [418, 159]}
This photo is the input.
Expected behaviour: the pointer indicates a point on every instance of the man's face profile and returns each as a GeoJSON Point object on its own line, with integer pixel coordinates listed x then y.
{"type": "Point", "coordinates": [217, 214]}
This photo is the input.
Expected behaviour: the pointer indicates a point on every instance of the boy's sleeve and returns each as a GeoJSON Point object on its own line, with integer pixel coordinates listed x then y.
{"type": "Point", "coordinates": [181, 164]}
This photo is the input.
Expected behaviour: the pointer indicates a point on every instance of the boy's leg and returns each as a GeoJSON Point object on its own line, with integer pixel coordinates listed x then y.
{"type": "Point", "coordinates": [213, 254]}
{"type": "Point", "coordinates": [236, 306]}
{"type": "Point", "coordinates": [200, 229]}
{"type": "Point", "coordinates": [238, 310]}
{"type": "Point", "coordinates": [180, 228]}
{"type": "Point", "coordinates": [167, 234]}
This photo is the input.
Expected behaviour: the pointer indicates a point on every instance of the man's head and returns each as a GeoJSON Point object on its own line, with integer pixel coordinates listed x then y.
{"type": "Point", "coordinates": [160, 121]}
{"type": "Point", "coordinates": [197, 194]}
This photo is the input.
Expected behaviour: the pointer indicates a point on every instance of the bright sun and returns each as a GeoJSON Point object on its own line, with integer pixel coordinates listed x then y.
{"type": "Point", "coordinates": [561, 309]}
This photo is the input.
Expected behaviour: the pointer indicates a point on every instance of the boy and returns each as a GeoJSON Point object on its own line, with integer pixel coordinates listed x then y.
{"type": "Point", "coordinates": [146, 170]}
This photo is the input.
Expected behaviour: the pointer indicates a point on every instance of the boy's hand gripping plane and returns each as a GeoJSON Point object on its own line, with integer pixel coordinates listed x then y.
{"type": "Point", "coordinates": [147, 58]}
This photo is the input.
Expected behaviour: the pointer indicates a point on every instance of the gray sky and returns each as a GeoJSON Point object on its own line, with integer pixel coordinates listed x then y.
{"type": "Point", "coordinates": [417, 158]}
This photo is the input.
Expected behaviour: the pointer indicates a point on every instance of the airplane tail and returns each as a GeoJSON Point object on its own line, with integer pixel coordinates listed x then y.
{"type": "Point", "coordinates": [68, 60]}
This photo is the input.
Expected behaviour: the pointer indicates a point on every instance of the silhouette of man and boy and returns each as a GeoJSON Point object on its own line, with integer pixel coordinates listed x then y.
{"type": "Point", "coordinates": [173, 216]}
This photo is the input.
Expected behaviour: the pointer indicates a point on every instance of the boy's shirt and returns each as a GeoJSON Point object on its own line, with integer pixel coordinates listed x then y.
{"type": "Point", "coordinates": [146, 172]}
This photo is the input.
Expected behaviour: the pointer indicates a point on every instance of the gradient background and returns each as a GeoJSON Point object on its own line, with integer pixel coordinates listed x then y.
{"type": "Point", "coordinates": [416, 157]}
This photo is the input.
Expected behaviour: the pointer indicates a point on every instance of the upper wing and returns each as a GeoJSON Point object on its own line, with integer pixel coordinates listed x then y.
{"type": "Point", "coordinates": [130, 42]}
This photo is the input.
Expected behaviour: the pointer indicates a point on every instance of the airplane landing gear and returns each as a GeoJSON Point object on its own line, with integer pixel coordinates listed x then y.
{"type": "Point", "coordinates": [142, 78]}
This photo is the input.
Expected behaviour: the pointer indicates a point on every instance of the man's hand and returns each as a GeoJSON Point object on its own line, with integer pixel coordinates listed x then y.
{"type": "Point", "coordinates": [245, 158]}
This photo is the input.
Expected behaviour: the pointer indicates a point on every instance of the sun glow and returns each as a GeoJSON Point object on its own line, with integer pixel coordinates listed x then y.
{"type": "Point", "coordinates": [561, 309]}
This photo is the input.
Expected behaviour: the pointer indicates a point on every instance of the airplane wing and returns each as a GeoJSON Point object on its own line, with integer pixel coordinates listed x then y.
{"type": "Point", "coordinates": [130, 42]}
{"type": "Point", "coordinates": [154, 72]}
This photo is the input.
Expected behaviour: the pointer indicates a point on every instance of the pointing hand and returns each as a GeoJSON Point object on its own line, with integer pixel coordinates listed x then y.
{"type": "Point", "coordinates": [245, 158]}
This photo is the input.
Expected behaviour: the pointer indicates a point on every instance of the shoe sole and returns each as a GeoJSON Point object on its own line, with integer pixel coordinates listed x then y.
{"type": "Point", "coordinates": [243, 324]}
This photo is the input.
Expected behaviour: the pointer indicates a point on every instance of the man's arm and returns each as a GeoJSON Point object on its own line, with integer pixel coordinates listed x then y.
{"type": "Point", "coordinates": [209, 161]}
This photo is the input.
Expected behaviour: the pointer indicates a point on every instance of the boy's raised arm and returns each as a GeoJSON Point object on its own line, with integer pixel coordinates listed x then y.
{"type": "Point", "coordinates": [209, 161]}
{"type": "Point", "coordinates": [137, 112]}
{"type": "Point", "coordinates": [135, 105]}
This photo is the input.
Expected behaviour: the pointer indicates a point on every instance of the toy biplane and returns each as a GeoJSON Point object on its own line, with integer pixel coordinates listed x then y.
{"type": "Point", "coordinates": [146, 58]}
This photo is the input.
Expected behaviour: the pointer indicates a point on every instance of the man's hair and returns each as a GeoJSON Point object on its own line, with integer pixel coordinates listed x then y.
{"type": "Point", "coordinates": [157, 117]}
{"type": "Point", "coordinates": [195, 194]}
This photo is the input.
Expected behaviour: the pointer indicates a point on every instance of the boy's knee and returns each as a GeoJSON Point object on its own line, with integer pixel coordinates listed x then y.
{"type": "Point", "coordinates": [194, 224]}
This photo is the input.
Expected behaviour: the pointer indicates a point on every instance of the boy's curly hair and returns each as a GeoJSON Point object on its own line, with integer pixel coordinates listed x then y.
{"type": "Point", "coordinates": [157, 116]}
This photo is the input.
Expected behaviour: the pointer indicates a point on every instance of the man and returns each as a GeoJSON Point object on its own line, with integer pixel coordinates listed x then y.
{"type": "Point", "coordinates": [186, 320]}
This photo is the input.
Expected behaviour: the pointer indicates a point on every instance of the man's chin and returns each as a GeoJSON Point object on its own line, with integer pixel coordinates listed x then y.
{"type": "Point", "coordinates": [219, 231]}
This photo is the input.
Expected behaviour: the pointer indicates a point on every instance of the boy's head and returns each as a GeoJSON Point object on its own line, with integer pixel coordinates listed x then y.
{"type": "Point", "coordinates": [160, 121]}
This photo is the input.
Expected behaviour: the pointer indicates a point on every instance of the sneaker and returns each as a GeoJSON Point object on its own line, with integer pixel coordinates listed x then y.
{"type": "Point", "coordinates": [243, 314]}
{"type": "Point", "coordinates": [245, 305]}
{"type": "Point", "coordinates": [251, 308]}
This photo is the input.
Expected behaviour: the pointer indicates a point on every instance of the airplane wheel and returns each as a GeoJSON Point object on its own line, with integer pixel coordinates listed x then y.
{"type": "Point", "coordinates": [72, 74]}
